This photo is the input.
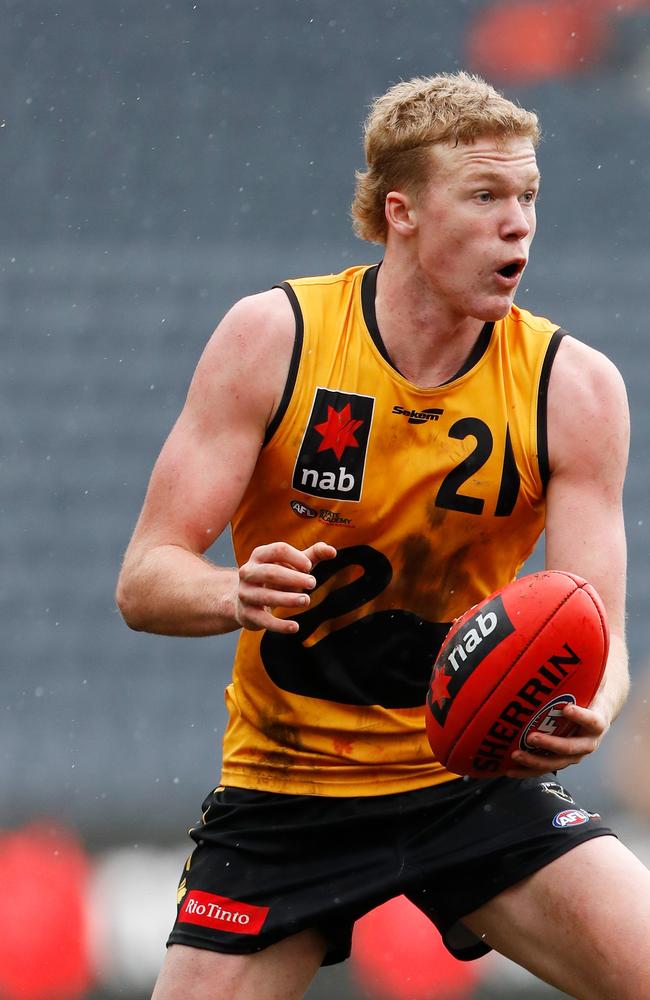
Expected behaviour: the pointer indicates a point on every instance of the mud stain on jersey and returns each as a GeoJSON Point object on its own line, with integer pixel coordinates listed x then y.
{"type": "Point", "coordinates": [282, 735]}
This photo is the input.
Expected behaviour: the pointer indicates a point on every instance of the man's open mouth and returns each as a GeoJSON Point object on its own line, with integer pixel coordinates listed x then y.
{"type": "Point", "coordinates": [512, 268]}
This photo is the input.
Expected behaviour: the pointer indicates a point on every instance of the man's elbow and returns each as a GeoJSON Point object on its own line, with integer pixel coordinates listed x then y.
{"type": "Point", "coordinates": [129, 603]}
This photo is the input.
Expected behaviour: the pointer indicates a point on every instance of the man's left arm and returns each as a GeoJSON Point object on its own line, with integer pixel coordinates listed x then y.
{"type": "Point", "coordinates": [588, 441]}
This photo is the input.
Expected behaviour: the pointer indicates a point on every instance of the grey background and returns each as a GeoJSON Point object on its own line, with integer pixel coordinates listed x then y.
{"type": "Point", "coordinates": [159, 160]}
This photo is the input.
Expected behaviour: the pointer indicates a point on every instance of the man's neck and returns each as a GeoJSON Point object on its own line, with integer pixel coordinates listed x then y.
{"type": "Point", "coordinates": [426, 342]}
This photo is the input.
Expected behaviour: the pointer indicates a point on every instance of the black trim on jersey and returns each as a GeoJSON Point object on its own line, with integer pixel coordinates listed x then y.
{"type": "Point", "coordinates": [476, 353]}
{"type": "Point", "coordinates": [542, 407]}
{"type": "Point", "coordinates": [368, 295]}
{"type": "Point", "coordinates": [293, 364]}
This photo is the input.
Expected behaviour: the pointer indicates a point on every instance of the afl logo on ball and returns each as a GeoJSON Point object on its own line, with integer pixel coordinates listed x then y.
{"type": "Point", "coordinates": [570, 817]}
{"type": "Point", "coordinates": [332, 456]}
{"type": "Point", "coordinates": [550, 720]}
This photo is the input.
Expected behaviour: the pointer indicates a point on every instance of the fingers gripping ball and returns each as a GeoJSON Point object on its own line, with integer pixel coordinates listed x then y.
{"type": "Point", "coordinates": [508, 668]}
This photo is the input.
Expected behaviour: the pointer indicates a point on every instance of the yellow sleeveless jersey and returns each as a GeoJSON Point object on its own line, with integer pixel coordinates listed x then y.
{"type": "Point", "coordinates": [432, 497]}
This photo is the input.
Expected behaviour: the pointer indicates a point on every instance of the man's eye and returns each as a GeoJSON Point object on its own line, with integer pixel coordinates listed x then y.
{"type": "Point", "coordinates": [529, 197]}
{"type": "Point", "coordinates": [484, 197]}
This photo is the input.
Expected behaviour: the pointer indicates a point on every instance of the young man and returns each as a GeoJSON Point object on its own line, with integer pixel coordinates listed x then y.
{"type": "Point", "coordinates": [388, 444]}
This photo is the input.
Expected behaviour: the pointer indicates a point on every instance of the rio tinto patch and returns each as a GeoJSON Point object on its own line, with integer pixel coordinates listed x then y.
{"type": "Point", "coordinates": [222, 914]}
{"type": "Point", "coordinates": [332, 457]}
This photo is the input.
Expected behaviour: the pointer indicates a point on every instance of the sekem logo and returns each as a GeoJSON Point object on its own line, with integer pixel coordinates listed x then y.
{"type": "Point", "coordinates": [419, 416]}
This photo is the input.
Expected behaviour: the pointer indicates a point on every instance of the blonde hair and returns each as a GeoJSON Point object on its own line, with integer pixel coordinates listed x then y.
{"type": "Point", "coordinates": [411, 117]}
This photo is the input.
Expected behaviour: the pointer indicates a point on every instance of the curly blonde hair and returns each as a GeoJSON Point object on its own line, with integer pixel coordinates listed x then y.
{"type": "Point", "coordinates": [411, 117]}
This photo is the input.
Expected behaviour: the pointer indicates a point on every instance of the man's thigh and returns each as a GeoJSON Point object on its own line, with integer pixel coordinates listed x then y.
{"type": "Point", "coordinates": [581, 923]}
{"type": "Point", "coordinates": [282, 971]}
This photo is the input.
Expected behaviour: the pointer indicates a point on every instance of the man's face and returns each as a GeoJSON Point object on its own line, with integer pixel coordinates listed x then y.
{"type": "Point", "coordinates": [476, 221]}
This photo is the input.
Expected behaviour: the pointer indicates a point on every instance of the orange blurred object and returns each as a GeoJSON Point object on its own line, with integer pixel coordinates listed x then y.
{"type": "Point", "coordinates": [398, 954]}
{"type": "Point", "coordinates": [43, 933]}
{"type": "Point", "coordinates": [526, 42]}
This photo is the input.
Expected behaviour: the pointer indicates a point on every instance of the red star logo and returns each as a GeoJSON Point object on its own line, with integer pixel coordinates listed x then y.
{"type": "Point", "coordinates": [338, 430]}
{"type": "Point", "coordinates": [440, 687]}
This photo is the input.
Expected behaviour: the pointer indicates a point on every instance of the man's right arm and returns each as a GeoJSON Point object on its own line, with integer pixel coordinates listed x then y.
{"type": "Point", "coordinates": [166, 584]}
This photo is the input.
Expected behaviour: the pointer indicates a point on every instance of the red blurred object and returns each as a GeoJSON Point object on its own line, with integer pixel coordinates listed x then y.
{"type": "Point", "coordinates": [529, 41]}
{"type": "Point", "coordinates": [43, 939]}
{"type": "Point", "coordinates": [398, 954]}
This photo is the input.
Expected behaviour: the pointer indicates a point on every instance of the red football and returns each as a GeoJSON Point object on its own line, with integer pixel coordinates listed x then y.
{"type": "Point", "coordinates": [509, 666]}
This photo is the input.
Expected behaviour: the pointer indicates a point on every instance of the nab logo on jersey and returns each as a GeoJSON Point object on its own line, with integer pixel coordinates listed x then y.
{"type": "Point", "coordinates": [332, 456]}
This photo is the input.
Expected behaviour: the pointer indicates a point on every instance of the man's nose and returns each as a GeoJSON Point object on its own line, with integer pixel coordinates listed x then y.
{"type": "Point", "coordinates": [517, 222]}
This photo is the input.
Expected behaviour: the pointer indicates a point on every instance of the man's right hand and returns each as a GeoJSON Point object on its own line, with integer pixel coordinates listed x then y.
{"type": "Point", "coordinates": [277, 576]}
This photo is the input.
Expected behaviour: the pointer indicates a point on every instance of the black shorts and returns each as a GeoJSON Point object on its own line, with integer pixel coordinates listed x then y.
{"type": "Point", "coordinates": [268, 865]}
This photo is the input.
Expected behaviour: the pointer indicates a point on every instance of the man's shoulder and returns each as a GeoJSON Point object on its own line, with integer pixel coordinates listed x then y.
{"type": "Point", "coordinates": [575, 355]}
{"type": "Point", "coordinates": [519, 317]}
{"type": "Point", "coordinates": [346, 277]}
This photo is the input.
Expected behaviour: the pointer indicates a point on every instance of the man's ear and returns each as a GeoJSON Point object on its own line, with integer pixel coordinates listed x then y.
{"type": "Point", "coordinates": [401, 215]}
